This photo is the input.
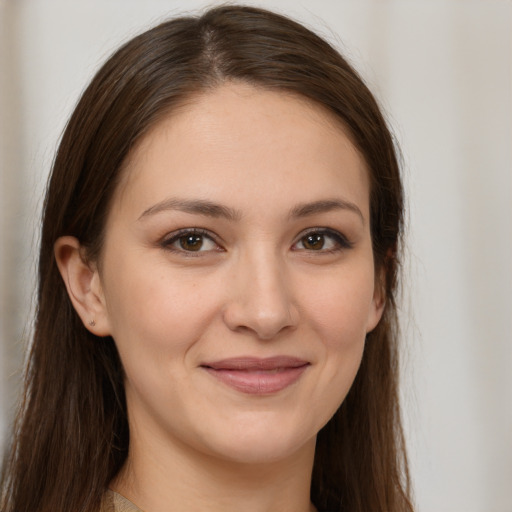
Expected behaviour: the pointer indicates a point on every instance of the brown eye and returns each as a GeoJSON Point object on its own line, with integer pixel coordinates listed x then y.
{"type": "Point", "coordinates": [322, 240]}
{"type": "Point", "coordinates": [191, 242]}
{"type": "Point", "coordinates": [313, 242]}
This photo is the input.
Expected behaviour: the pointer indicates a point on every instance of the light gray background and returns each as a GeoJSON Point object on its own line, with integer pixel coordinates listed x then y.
{"type": "Point", "coordinates": [442, 71]}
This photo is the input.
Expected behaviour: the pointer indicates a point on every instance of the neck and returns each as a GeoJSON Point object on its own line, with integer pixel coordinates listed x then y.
{"type": "Point", "coordinates": [166, 477]}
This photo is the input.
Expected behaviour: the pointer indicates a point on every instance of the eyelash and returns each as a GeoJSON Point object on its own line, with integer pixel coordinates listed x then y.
{"type": "Point", "coordinates": [341, 241]}
{"type": "Point", "coordinates": [173, 238]}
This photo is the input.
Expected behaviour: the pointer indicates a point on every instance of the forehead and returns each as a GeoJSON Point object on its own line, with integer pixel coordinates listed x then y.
{"type": "Point", "coordinates": [249, 139]}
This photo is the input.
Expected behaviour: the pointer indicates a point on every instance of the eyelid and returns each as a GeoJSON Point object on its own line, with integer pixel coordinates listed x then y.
{"type": "Point", "coordinates": [167, 241]}
{"type": "Point", "coordinates": [341, 239]}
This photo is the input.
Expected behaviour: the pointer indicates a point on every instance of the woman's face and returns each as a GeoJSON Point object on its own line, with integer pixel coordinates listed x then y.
{"type": "Point", "coordinates": [237, 275]}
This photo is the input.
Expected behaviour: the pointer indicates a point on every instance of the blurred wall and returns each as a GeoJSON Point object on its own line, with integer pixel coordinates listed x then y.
{"type": "Point", "coordinates": [443, 72]}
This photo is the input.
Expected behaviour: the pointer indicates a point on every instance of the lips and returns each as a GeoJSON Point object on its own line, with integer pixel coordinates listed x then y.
{"type": "Point", "coordinates": [257, 376]}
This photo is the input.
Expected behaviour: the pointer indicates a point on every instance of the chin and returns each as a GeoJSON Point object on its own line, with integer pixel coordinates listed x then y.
{"type": "Point", "coordinates": [263, 444]}
{"type": "Point", "coordinates": [262, 453]}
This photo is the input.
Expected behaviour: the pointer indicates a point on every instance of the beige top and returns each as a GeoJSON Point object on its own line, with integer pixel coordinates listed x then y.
{"type": "Point", "coordinates": [114, 502]}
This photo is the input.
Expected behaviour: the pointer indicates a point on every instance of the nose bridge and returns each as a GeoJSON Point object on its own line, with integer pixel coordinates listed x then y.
{"type": "Point", "coordinates": [263, 300]}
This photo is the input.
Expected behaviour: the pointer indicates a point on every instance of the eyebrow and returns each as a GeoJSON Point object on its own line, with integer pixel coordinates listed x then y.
{"type": "Point", "coordinates": [211, 209]}
{"type": "Point", "coordinates": [194, 206]}
{"type": "Point", "coordinates": [323, 206]}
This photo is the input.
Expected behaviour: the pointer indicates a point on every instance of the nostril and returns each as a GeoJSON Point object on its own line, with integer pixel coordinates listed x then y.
{"type": "Point", "coordinates": [261, 302]}
{"type": "Point", "coordinates": [264, 325]}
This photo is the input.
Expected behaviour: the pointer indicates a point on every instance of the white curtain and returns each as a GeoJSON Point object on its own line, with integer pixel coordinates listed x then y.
{"type": "Point", "coordinates": [442, 70]}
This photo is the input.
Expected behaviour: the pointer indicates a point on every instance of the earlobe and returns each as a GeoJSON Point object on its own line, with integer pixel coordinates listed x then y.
{"type": "Point", "coordinates": [83, 285]}
{"type": "Point", "coordinates": [377, 310]}
{"type": "Point", "coordinates": [378, 304]}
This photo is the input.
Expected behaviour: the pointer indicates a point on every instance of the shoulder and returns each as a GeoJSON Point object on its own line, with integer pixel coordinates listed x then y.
{"type": "Point", "coordinates": [114, 502]}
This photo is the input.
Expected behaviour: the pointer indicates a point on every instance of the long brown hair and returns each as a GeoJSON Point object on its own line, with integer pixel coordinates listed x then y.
{"type": "Point", "coordinates": [71, 436]}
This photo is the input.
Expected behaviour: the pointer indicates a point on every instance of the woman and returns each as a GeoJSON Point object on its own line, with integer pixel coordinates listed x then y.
{"type": "Point", "coordinates": [216, 320]}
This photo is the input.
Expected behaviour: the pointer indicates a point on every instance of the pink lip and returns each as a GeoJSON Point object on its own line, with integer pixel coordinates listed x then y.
{"type": "Point", "coordinates": [257, 376]}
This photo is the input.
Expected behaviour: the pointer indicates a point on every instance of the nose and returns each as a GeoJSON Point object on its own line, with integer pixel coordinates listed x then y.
{"type": "Point", "coordinates": [261, 298]}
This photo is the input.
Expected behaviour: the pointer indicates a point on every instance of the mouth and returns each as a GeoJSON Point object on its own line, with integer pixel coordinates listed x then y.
{"type": "Point", "coordinates": [257, 376]}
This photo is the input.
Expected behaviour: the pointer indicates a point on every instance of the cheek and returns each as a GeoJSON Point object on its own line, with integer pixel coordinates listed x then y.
{"type": "Point", "coordinates": [342, 306]}
{"type": "Point", "coordinates": [339, 317]}
{"type": "Point", "coordinates": [154, 312]}
{"type": "Point", "coordinates": [157, 319]}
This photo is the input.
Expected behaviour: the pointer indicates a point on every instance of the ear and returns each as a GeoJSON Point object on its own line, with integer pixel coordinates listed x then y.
{"type": "Point", "coordinates": [83, 285]}
{"type": "Point", "coordinates": [378, 302]}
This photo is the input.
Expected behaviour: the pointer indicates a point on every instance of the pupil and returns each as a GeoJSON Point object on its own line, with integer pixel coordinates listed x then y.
{"type": "Point", "coordinates": [314, 242]}
{"type": "Point", "coordinates": [191, 242]}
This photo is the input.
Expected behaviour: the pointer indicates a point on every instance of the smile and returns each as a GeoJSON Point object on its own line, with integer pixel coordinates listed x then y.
{"type": "Point", "coordinates": [257, 376]}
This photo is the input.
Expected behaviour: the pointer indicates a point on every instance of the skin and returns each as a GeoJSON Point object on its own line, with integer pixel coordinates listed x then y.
{"type": "Point", "coordinates": [257, 287]}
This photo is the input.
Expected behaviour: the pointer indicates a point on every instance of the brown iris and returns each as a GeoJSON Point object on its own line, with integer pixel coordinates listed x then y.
{"type": "Point", "coordinates": [313, 242]}
{"type": "Point", "coordinates": [191, 242]}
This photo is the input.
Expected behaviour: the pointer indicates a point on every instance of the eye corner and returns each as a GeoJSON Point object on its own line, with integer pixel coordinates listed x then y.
{"type": "Point", "coordinates": [200, 242]}
{"type": "Point", "coordinates": [327, 241]}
